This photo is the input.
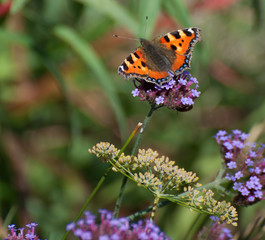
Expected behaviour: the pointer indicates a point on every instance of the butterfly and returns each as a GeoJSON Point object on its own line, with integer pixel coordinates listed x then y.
{"type": "Point", "coordinates": [157, 61]}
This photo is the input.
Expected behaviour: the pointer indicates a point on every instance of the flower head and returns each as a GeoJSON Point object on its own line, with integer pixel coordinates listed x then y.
{"type": "Point", "coordinates": [20, 234]}
{"type": "Point", "coordinates": [176, 94]}
{"type": "Point", "coordinates": [245, 166]}
{"type": "Point", "coordinates": [111, 228]}
{"type": "Point", "coordinates": [104, 150]}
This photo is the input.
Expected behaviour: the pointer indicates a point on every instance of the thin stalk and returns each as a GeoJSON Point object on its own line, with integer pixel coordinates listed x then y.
{"type": "Point", "coordinates": [216, 184]}
{"type": "Point", "coordinates": [10, 216]}
{"type": "Point", "coordinates": [220, 173]}
{"type": "Point", "coordinates": [141, 134]}
{"type": "Point", "coordinates": [102, 179]}
{"type": "Point", "coordinates": [133, 153]}
{"type": "Point", "coordinates": [130, 138]}
{"type": "Point", "coordinates": [147, 210]}
{"type": "Point", "coordinates": [156, 201]}
{"type": "Point", "coordinates": [120, 197]}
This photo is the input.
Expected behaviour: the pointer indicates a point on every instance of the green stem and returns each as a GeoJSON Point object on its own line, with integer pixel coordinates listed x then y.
{"type": "Point", "coordinates": [120, 197]}
{"type": "Point", "coordinates": [147, 210]}
{"type": "Point", "coordinates": [156, 201]}
{"type": "Point", "coordinates": [129, 139]}
{"type": "Point", "coordinates": [10, 216]}
{"type": "Point", "coordinates": [141, 134]}
{"type": "Point", "coordinates": [102, 179]}
{"type": "Point", "coordinates": [214, 184]}
{"type": "Point", "coordinates": [133, 153]}
{"type": "Point", "coordinates": [221, 173]}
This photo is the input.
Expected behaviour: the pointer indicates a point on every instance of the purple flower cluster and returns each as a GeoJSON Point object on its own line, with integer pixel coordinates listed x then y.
{"type": "Point", "coordinates": [176, 94]}
{"type": "Point", "coordinates": [18, 234]}
{"type": "Point", "coordinates": [114, 229]}
{"type": "Point", "coordinates": [245, 166]}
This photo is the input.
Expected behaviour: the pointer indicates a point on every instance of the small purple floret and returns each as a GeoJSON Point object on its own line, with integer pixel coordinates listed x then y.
{"type": "Point", "coordinates": [182, 81]}
{"type": "Point", "coordinates": [135, 92]}
{"type": "Point", "coordinates": [229, 155]}
{"type": "Point", "coordinates": [238, 175]}
{"type": "Point", "coordinates": [187, 101]}
{"type": "Point", "coordinates": [159, 100]}
{"type": "Point", "coordinates": [231, 165]}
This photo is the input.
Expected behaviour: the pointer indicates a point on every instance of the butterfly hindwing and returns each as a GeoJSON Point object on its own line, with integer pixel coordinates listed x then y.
{"type": "Point", "coordinates": [157, 77]}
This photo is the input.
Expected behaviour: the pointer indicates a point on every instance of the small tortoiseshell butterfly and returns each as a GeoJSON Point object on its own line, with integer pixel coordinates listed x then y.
{"type": "Point", "coordinates": [158, 60]}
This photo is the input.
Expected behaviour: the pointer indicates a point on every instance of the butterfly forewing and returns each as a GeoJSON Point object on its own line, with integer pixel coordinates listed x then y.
{"type": "Point", "coordinates": [134, 65]}
{"type": "Point", "coordinates": [181, 41]}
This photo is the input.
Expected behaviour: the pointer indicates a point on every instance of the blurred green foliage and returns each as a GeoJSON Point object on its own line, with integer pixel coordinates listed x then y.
{"type": "Point", "coordinates": [60, 94]}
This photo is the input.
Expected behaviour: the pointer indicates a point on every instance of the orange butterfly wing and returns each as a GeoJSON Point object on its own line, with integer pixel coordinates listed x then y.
{"type": "Point", "coordinates": [182, 43]}
{"type": "Point", "coordinates": [135, 66]}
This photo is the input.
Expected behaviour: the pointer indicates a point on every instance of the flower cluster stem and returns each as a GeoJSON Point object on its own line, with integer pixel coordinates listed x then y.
{"type": "Point", "coordinates": [120, 197]}
{"type": "Point", "coordinates": [130, 138]}
{"type": "Point", "coordinates": [134, 150]}
{"type": "Point", "coordinates": [156, 201]}
{"type": "Point", "coordinates": [147, 210]}
{"type": "Point", "coordinates": [141, 134]}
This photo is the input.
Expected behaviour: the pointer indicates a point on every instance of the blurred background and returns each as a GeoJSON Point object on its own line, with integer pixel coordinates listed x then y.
{"type": "Point", "coordinates": [60, 94]}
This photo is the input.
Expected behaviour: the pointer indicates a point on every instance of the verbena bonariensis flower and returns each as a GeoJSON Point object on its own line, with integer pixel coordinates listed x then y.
{"type": "Point", "coordinates": [21, 234]}
{"type": "Point", "coordinates": [177, 94]}
{"type": "Point", "coordinates": [245, 166]}
{"type": "Point", "coordinates": [165, 180]}
{"type": "Point", "coordinates": [215, 232]}
{"type": "Point", "coordinates": [110, 228]}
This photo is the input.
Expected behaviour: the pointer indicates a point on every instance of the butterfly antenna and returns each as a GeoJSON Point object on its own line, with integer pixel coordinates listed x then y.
{"type": "Point", "coordinates": [146, 19]}
{"type": "Point", "coordinates": [117, 36]}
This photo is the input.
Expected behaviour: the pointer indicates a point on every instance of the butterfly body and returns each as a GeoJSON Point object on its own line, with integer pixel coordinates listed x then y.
{"type": "Point", "coordinates": [158, 57]}
{"type": "Point", "coordinates": [158, 60]}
